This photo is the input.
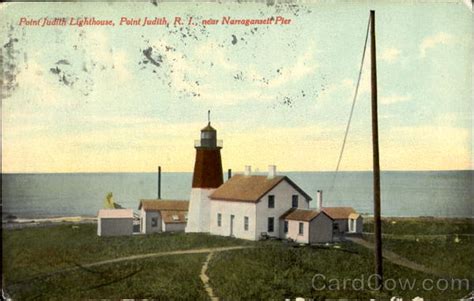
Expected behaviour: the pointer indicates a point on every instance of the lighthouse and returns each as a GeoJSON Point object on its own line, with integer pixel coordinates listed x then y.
{"type": "Point", "coordinates": [207, 177]}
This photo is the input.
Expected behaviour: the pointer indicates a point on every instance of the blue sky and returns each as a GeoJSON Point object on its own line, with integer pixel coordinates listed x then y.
{"type": "Point", "coordinates": [88, 99]}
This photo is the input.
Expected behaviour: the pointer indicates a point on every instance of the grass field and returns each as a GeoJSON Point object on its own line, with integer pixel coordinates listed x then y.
{"type": "Point", "coordinates": [170, 278]}
{"type": "Point", "coordinates": [278, 271]}
{"type": "Point", "coordinates": [272, 270]}
{"type": "Point", "coordinates": [35, 251]}
{"type": "Point", "coordinates": [443, 245]}
{"type": "Point", "coordinates": [423, 226]}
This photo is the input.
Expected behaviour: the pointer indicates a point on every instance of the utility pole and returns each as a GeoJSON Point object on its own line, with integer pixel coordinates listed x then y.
{"type": "Point", "coordinates": [159, 182]}
{"type": "Point", "coordinates": [375, 146]}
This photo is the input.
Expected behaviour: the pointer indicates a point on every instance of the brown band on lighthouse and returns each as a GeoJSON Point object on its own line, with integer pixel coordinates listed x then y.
{"type": "Point", "coordinates": [208, 168]}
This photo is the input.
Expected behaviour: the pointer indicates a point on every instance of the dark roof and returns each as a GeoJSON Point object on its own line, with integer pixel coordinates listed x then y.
{"type": "Point", "coordinates": [208, 128]}
{"type": "Point", "coordinates": [159, 205]}
{"type": "Point", "coordinates": [305, 215]}
{"type": "Point", "coordinates": [250, 188]}
{"type": "Point", "coordinates": [338, 212]}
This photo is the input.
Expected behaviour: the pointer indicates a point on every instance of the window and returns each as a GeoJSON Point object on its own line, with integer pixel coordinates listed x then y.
{"type": "Point", "coordinates": [294, 201]}
{"type": "Point", "coordinates": [219, 219]}
{"type": "Point", "coordinates": [175, 217]}
{"type": "Point", "coordinates": [154, 221]}
{"type": "Point", "coordinates": [285, 228]}
{"type": "Point", "coordinates": [301, 230]}
{"type": "Point", "coordinates": [270, 224]}
{"type": "Point", "coordinates": [246, 223]}
{"type": "Point", "coordinates": [271, 201]}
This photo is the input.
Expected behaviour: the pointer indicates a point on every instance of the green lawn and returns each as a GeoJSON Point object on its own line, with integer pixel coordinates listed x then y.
{"type": "Point", "coordinates": [438, 244]}
{"type": "Point", "coordinates": [277, 271]}
{"type": "Point", "coordinates": [425, 226]}
{"type": "Point", "coordinates": [170, 278]}
{"type": "Point", "coordinates": [273, 270]}
{"type": "Point", "coordinates": [34, 251]}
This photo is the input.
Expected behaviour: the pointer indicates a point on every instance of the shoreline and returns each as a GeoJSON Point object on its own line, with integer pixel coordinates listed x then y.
{"type": "Point", "coordinates": [18, 223]}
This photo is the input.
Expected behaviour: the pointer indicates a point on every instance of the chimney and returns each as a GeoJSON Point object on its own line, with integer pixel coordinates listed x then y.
{"type": "Point", "coordinates": [271, 171]}
{"type": "Point", "coordinates": [248, 170]}
{"type": "Point", "coordinates": [319, 199]}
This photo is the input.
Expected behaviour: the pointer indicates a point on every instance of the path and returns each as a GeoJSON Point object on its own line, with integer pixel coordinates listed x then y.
{"type": "Point", "coordinates": [135, 257]}
{"type": "Point", "coordinates": [205, 278]}
{"type": "Point", "coordinates": [394, 257]}
{"type": "Point", "coordinates": [159, 254]}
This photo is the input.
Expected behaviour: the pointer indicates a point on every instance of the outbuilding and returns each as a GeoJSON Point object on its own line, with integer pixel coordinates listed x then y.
{"type": "Point", "coordinates": [115, 222]}
{"type": "Point", "coordinates": [346, 219]}
{"type": "Point", "coordinates": [307, 226]}
{"type": "Point", "coordinates": [163, 215]}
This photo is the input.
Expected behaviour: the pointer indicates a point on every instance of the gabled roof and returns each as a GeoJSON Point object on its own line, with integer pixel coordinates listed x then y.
{"type": "Point", "coordinates": [250, 188]}
{"type": "Point", "coordinates": [339, 212]}
{"type": "Point", "coordinates": [173, 217]}
{"type": "Point", "coordinates": [354, 215]}
{"type": "Point", "coordinates": [158, 205]}
{"type": "Point", "coordinates": [305, 215]}
{"type": "Point", "coordinates": [115, 213]}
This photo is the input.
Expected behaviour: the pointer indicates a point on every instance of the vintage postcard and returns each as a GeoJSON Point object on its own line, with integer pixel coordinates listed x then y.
{"type": "Point", "coordinates": [231, 150]}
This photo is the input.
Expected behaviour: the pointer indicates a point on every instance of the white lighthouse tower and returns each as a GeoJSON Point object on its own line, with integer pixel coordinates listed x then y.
{"type": "Point", "coordinates": [207, 177]}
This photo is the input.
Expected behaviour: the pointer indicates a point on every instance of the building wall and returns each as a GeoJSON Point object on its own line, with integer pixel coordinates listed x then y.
{"type": "Point", "coordinates": [293, 231]}
{"type": "Point", "coordinates": [199, 210]}
{"type": "Point", "coordinates": [114, 226]}
{"type": "Point", "coordinates": [342, 223]}
{"type": "Point", "coordinates": [174, 227]}
{"type": "Point", "coordinates": [146, 221]}
{"type": "Point", "coordinates": [283, 195]}
{"type": "Point", "coordinates": [358, 225]}
{"type": "Point", "coordinates": [321, 229]}
{"type": "Point", "coordinates": [239, 210]}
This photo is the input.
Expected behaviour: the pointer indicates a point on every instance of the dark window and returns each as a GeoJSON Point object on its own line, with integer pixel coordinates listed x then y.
{"type": "Point", "coordinates": [294, 201]}
{"type": "Point", "coordinates": [301, 230]}
{"type": "Point", "coordinates": [246, 223]}
{"type": "Point", "coordinates": [154, 221]}
{"type": "Point", "coordinates": [271, 201]}
{"type": "Point", "coordinates": [285, 228]}
{"type": "Point", "coordinates": [219, 219]}
{"type": "Point", "coordinates": [270, 224]}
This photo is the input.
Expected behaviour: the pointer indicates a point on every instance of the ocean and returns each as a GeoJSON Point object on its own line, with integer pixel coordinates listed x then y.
{"type": "Point", "coordinates": [413, 193]}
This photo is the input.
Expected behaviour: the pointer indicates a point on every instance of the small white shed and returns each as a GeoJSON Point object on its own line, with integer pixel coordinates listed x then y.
{"type": "Point", "coordinates": [307, 226]}
{"type": "Point", "coordinates": [114, 222]}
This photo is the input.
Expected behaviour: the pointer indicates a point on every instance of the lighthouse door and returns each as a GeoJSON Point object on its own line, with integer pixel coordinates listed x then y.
{"type": "Point", "coordinates": [232, 225]}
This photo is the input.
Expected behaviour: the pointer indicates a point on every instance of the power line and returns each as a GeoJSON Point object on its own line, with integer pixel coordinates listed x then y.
{"type": "Point", "coordinates": [352, 108]}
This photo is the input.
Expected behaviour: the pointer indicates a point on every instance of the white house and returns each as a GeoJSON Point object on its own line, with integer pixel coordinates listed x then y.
{"type": "Point", "coordinates": [250, 206]}
{"type": "Point", "coordinates": [163, 215]}
{"type": "Point", "coordinates": [307, 226]}
{"type": "Point", "coordinates": [114, 222]}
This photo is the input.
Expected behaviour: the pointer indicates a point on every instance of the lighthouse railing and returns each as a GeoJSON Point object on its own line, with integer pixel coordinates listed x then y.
{"type": "Point", "coordinates": [207, 143]}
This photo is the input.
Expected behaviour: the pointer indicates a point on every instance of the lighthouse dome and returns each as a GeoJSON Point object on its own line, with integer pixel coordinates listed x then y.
{"type": "Point", "coordinates": [208, 128]}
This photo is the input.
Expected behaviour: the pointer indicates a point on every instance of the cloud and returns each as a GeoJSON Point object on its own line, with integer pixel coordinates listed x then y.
{"type": "Point", "coordinates": [35, 83]}
{"type": "Point", "coordinates": [440, 38]}
{"type": "Point", "coordinates": [394, 98]}
{"type": "Point", "coordinates": [389, 54]}
{"type": "Point", "coordinates": [304, 66]}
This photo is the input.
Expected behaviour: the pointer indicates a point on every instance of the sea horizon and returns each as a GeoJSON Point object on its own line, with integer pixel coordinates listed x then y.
{"type": "Point", "coordinates": [404, 193]}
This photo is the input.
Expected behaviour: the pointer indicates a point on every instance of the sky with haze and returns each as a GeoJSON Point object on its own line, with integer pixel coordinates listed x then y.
{"type": "Point", "coordinates": [129, 98]}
